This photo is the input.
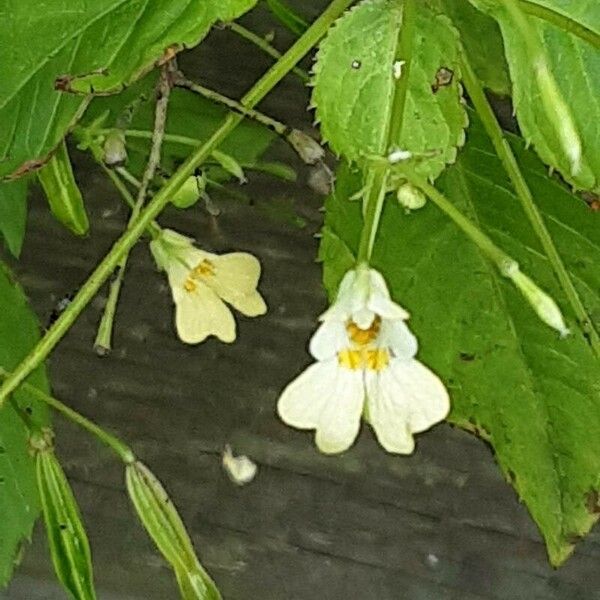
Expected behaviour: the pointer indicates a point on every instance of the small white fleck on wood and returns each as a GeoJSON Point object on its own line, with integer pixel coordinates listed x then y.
{"type": "Point", "coordinates": [240, 469]}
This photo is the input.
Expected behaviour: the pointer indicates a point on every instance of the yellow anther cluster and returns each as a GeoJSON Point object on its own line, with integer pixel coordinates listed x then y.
{"type": "Point", "coordinates": [375, 360]}
{"type": "Point", "coordinates": [364, 355]}
{"type": "Point", "coordinates": [204, 269]}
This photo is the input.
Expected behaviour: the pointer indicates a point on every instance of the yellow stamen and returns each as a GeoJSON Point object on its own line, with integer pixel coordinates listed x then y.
{"type": "Point", "coordinates": [351, 359]}
{"type": "Point", "coordinates": [363, 337]}
{"type": "Point", "coordinates": [377, 360]}
{"type": "Point", "coordinates": [205, 269]}
{"type": "Point", "coordinates": [189, 285]}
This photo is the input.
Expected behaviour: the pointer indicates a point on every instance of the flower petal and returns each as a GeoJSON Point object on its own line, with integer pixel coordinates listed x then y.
{"type": "Point", "coordinates": [397, 337]}
{"type": "Point", "coordinates": [379, 298]}
{"type": "Point", "coordinates": [235, 280]}
{"type": "Point", "coordinates": [328, 340]}
{"type": "Point", "coordinates": [201, 313]}
{"type": "Point", "coordinates": [404, 398]}
{"type": "Point", "coordinates": [327, 398]}
{"type": "Point", "coordinates": [342, 308]}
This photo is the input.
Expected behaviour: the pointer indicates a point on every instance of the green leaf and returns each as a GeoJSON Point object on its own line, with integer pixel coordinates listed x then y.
{"type": "Point", "coordinates": [575, 65]}
{"type": "Point", "coordinates": [84, 46]}
{"type": "Point", "coordinates": [19, 504]}
{"type": "Point", "coordinates": [190, 116]}
{"type": "Point", "coordinates": [13, 214]}
{"type": "Point", "coordinates": [534, 397]}
{"type": "Point", "coordinates": [62, 192]}
{"type": "Point", "coordinates": [355, 79]}
{"type": "Point", "coordinates": [481, 37]}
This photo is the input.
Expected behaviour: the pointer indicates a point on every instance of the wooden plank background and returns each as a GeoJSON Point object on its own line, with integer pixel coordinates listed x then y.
{"type": "Point", "coordinates": [439, 525]}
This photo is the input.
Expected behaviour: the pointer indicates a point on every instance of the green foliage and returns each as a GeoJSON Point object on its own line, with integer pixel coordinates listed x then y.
{"type": "Point", "coordinates": [13, 214]}
{"type": "Point", "coordinates": [575, 64]}
{"type": "Point", "coordinates": [482, 40]}
{"type": "Point", "coordinates": [19, 505]}
{"type": "Point", "coordinates": [190, 116]}
{"type": "Point", "coordinates": [62, 192]}
{"type": "Point", "coordinates": [83, 46]}
{"type": "Point", "coordinates": [355, 80]}
{"type": "Point", "coordinates": [294, 22]}
{"type": "Point", "coordinates": [532, 396]}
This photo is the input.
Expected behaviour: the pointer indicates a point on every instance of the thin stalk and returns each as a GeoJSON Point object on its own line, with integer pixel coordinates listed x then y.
{"type": "Point", "coordinates": [264, 46]}
{"type": "Point", "coordinates": [154, 228]}
{"type": "Point", "coordinates": [561, 21]}
{"type": "Point", "coordinates": [277, 126]}
{"type": "Point", "coordinates": [375, 190]}
{"type": "Point", "coordinates": [120, 448]}
{"type": "Point", "coordinates": [377, 174]}
{"type": "Point", "coordinates": [130, 236]}
{"type": "Point", "coordinates": [103, 342]}
{"type": "Point", "coordinates": [502, 260]}
{"type": "Point", "coordinates": [505, 153]}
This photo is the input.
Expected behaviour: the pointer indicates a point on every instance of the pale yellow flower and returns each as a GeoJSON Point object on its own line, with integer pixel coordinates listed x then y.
{"type": "Point", "coordinates": [201, 283]}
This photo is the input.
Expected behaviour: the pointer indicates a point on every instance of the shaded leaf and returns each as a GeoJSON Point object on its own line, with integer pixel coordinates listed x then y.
{"type": "Point", "coordinates": [19, 504]}
{"type": "Point", "coordinates": [84, 46]}
{"type": "Point", "coordinates": [533, 396]}
{"type": "Point", "coordinates": [13, 214]}
{"type": "Point", "coordinates": [355, 79]}
{"type": "Point", "coordinates": [575, 65]}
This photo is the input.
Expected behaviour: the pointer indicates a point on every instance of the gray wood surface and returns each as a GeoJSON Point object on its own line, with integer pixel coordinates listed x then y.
{"type": "Point", "coordinates": [439, 525]}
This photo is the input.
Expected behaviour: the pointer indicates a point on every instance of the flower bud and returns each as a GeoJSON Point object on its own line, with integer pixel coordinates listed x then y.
{"type": "Point", "coordinates": [164, 526]}
{"type": "Point", "coordinates": [189, 193]}
{"type": "Point", "coordinates": [308, 149]}
{"type": "Point", "coordinates": [545, 307]}
{"type": "Point", "coordinates": [115, 150]}
{"type": "Point", "coordinates": [411, 197]}
{"type": "Point", "coordinates": [68, 542]}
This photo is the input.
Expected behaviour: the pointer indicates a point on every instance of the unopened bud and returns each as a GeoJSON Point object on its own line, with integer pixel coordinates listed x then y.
{"type": "Point", "coordinates": [189, 193]}
{"type": "Point", "coordinates": [559, 115]}
{"type": "Point", "coordinates": [67, 539]}
{"type": "Point", "coordinates": [308, 149]}
{"type": "Point", "coordinates": [164, 526]}
{"type": "Point", "coordinates": [411, 197]}
{"type": "Point", "coordinates": [115, 150]}
{"type": "Point", "coordinates": [543, 304]}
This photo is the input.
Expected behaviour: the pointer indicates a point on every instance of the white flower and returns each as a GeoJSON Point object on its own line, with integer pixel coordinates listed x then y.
{"type": "Point", "coordinates": [365, 366]}
{"type": "Point", "coordinates": [201, 281]}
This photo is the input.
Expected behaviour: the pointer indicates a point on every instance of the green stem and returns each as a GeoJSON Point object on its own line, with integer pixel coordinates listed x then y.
{"type": "Point", "coordinates": [120, 448]}
{"type": "Point", "coordinates": [103, 342]}
{"type": "Point", "coordinates": [505, 153]}
{"type": "Point", "coordinates": [277, 126]}
{"type": "Point", "coordinates": [375, 190]}
{"type": "Point", "coordinates": [104, 269]}
{"type": "Point", "coordinates": [502, 260]}
{"type": "Point", "coordinates": [403, 53]}
{"type": "Point", "coordinates": [561, 21]}
{"type": "Point", "coordinates": [264, 46]}
{"type": "Point", "coordinates": [377, 174]}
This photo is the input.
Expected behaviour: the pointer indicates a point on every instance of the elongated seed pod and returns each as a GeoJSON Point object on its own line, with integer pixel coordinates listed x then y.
{"type": "Point", "coordinates": [165, 527]}
{"type": "Point", "coordinates": [67, 539]}
{"type": "Point", "coordinates": [62, 192]}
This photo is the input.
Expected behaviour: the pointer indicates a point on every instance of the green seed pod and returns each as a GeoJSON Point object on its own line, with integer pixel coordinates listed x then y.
{"type": "Point", "coordinates": [411, 197]}
{"type": "Point", "coordinates": [68, 542]}
{"type": "Point", "coordinates": [189, 193]}
{"type": "Point", "coordinates": [62, 193]}
{"type": "Point", "coordinates": [115, 150]}
{"type": "Point", "coordinates": [164, 525]}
